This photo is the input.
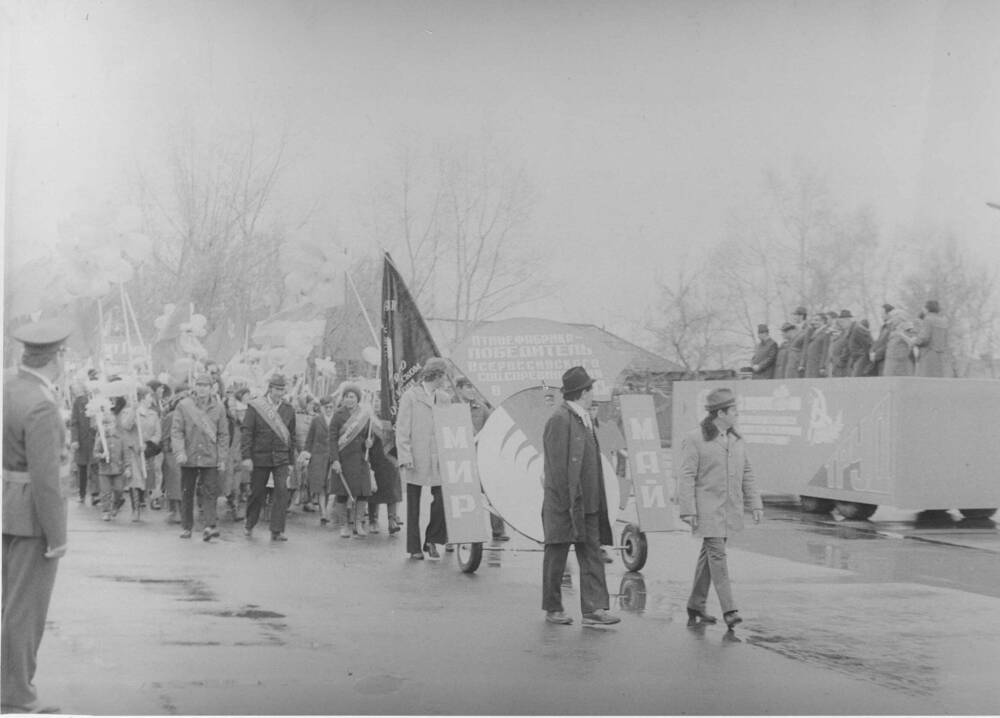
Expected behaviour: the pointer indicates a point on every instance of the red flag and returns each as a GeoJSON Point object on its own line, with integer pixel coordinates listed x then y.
{"type": "Point", "coordinates": [406, 342]}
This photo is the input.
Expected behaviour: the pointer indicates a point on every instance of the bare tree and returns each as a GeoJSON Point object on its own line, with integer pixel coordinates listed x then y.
{"type": "Point", "coordinates": [689, 328]}
{"type": "Point", "coordinates": [214, 234]}
{"type": "Point", "coordinates": [458, 218]}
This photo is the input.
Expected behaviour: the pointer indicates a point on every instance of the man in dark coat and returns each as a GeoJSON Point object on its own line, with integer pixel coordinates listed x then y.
{"type": "Point", "coordinates": [36, 470]}
{"type": "Point", "coordinates": [787, 331]}
{"type": "Point", "coordinates": [765, 354]}
{"type": "Point", "coordinates": [268, 450]}
{"type": "Point", "coordinates": [574, 508]}
{"type": "Point", "coordinates": [840, 352]}
{"type": "Point", "coordinates": [816, 347]}
{"type": "Point", "coordinates": [859, 345]}
{"type": "Point", "coordinates": [82, 435]}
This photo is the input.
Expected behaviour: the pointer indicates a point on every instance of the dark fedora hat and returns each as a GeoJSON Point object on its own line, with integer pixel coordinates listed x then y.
{"type": "Point", "coordinates": [846, 314]}
{"type": "Point", "coordinates": [575, 379]}
{"type": "Point", "coordinates": [721, 398]}
{"type": "Point", "coordinates": [277, 381]}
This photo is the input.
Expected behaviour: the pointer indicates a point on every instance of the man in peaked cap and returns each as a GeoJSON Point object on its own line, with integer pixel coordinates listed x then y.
{"type": "Point", "coordinates": [35, 484]}
{"type": "Point", "coordinates": [574, 507]}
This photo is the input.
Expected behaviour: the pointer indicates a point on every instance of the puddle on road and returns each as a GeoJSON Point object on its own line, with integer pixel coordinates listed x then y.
{"type": "Point", "coordinates": [248, 612]}
{"type": "Point", "coordinates": [193, 589]}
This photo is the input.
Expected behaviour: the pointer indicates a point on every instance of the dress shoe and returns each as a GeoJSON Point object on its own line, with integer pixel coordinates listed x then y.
{"type": "Point", "coordinates": [416, 556]}
{"type": "Point", "coordinates": [449, 548]}
{"type": "Point", "coordinates": [600, 617]}
{"type": "Point", "coordinates": [278, 536]}
{"type": "Point", "coordinates": [185, 534]}
{"type": "Point", "coordinates": [432, 551]}
{"type": "Point", "coordinates": [393, 525]}
{"type": "Point", "coordinates": [732, 618]}
{"type": "Point", "coordinates": [501, 537]}
{"type": "Point", "coordinates": [209, 533]}
{"type": "Point", "coordinates": [558, 617]}
{"type": "Point", "coordinates": [696, 617]}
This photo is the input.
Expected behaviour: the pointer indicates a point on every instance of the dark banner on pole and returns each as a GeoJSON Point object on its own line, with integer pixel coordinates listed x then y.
{"type": "Point", "coordinates": [406, 341]}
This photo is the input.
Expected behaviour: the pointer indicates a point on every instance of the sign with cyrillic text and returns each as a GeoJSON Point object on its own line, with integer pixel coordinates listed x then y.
{"type": "Point", "coordinates": [465, 510]}
{"type": "Point", "coordinates": [651, 482]}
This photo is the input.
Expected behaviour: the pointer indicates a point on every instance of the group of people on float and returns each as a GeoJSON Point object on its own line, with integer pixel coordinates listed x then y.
{"type": "Point", "coordinates": [835, 344]}
{"type": "Point", "coordinates": [186, 446]}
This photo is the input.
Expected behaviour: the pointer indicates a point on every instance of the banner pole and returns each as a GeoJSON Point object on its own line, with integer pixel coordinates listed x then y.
{"type": "Point", "coordinates": [364, 311]}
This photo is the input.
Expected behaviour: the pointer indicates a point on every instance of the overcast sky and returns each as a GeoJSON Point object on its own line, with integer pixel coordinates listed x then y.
{"type": "Point", "coordinates": [641, 125]}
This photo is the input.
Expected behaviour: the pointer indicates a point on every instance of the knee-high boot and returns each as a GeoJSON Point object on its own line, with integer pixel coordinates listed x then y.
{"type": "Point", "coordinates": [340, 516]}
{"type": "Point", "coordinates": [135, 502]}
{"type": "Point", "coordinates": [360, 516]}
{"type": "Point", "coordinates": [393, 519]}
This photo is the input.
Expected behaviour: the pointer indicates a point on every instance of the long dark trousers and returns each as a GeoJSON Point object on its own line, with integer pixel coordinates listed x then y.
{"type": "Point", "coordinates": [190, 475]}
{"type": "Point", "coordinates": [437, 531]}
{"type": "Point", "coordinates": [258, 493]}
{"type": "Point", "coordinates": [593, 585]}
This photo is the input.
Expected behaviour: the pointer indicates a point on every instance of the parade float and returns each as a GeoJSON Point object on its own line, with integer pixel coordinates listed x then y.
{"type": "Point", "coordinates": [854, 444]}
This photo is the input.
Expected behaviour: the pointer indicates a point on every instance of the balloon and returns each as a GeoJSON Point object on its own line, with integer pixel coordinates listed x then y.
{"type": "Point", "coordinates": [371, 355]}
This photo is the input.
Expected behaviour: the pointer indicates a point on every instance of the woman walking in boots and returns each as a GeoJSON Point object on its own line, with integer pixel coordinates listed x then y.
{"type": "Point", "coordinates": [141, 429]}
{"type": "Point", "coordinates": [317, 451]}
{"type": "Point", "coordinates": [350, 472]}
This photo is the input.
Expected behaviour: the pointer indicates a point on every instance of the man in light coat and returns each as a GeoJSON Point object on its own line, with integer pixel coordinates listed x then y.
{"type": "Point", "coordinates": [417, 453]}
{"type": "Point", "coordinates": [795, 365]}
{"type": "Point", "coordinates": [932, 340]}
{"type": "Point", "coordinates": [199, 438]}
{"type": "Point", "coordinates": [36, 471]}
{"type": "Point", "coordinates": [574, 507]}
{"type": "Point", "coordinates": [714, 480]}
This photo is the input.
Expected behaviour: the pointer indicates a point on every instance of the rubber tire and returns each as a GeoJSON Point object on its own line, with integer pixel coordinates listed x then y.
{"type": "Point", "coordinates": [634, 548]}
{"type": "Point", "coordinates": [469, 556]}
{"type": "Point", "coordinates": [977, 513]}
{"type": "Point", "coordinates": [855, 510]}
{"type": "Point", "coordinates": [816, 505]}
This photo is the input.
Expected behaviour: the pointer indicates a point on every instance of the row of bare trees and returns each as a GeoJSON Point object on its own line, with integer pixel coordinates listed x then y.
{"type": "Point", "coordinates": [801, 248]}
{"type": "Point", "coordinates": [453, 217]}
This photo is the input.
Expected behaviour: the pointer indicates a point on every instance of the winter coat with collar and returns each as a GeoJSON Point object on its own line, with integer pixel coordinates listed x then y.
{"type": "Point", "coordinates": [714, 482]}
{"type": "Point", "coordinates": [191, 437]}
{"type": "Point", "coordinates": [932, 339]}
{"type": "Point", "coordinates": [415, 442]}
{"type": "Point", "coordinates": [564, 441]}
{"type": "Point", "coordinates": [764, 358]}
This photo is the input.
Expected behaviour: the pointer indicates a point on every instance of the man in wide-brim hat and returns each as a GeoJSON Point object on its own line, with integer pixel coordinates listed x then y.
{"type": "Point", "coordinates": [574, 507]}
{"type": "Point", "coordinates": [36, 467]}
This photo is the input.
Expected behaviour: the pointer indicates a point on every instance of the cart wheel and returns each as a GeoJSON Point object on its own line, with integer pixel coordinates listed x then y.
{"type": "Point", "coordinates": [634, 548]}
{"type": "Point", "coordinates": [469, 556]}
{"type": "Point", "coordinates": [977, 513]}
{"type": "Point", "coordinates": [855, 510]}
{"type": "Point", "coordinates": [815, 505]}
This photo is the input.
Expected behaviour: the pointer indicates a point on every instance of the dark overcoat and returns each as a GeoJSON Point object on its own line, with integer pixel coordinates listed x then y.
{"type": "Point", "coordinates": [318, 445]}
{"type": "Point", "coordinates": [816, 351]}
{"type": "Point", "coordinates": [764, 358]}
{"type": "Point", "coordinates": [262, 445]}
{"type": "Point", "coordinates": [82, 431]}
{"type": "Point", "coordinates": [564, 440]}
{"type": "Point", "coordinates": [353, 465]}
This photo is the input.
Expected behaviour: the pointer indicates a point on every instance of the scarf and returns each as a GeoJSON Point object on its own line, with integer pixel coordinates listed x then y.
{"type": "Point", "coordinates": [198, 416]}
{"type": "Point", "coordinates": [355, 424]}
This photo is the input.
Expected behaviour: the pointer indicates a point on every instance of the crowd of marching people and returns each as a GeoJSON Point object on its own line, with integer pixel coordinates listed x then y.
{"type": "Point", "coordinates": [835, 344]}
{"type": "Point", "coordinates": [202, 447]}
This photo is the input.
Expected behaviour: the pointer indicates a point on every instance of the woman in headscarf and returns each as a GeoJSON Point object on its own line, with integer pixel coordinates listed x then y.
{"type": "Point", "coordinates": [899, 348]}
{"type": "Point", "coordinates": [317, 450]}
{"type": "Point", "coordinates": [350, 440]}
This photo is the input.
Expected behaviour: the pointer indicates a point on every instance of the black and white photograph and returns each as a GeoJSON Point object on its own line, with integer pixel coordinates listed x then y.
{"type": "Point", "coordinates": [421, 357]}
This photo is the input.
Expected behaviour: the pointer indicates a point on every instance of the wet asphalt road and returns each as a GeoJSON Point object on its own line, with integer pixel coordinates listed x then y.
{"type": "Point", "coordinates": [881, 617]}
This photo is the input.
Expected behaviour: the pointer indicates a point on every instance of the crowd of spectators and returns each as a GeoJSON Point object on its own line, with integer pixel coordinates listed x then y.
{"type": "Point", "coordinates": [836, 344]}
